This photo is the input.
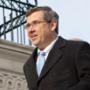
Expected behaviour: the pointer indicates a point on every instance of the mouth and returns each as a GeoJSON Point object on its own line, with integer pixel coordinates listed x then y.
{"type": "Point", "coordinates": [34, 37]}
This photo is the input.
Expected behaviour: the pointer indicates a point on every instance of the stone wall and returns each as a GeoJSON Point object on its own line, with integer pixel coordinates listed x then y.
{"type": "Point", "coordinates": [12, 59]}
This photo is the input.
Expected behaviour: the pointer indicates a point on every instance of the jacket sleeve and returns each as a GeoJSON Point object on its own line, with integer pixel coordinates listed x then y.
{"type": "Point", "coordinates": [83, 68]}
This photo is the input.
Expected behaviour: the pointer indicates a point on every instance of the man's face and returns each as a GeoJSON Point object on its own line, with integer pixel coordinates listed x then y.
{"type": "Point", "coordinates": [39, 30]}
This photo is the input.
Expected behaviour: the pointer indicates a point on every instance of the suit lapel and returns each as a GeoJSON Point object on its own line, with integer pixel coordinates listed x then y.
{"type": "Point", "coordinates": [53, 57]}
{"type": "Point", "coordinates": [32, 69]}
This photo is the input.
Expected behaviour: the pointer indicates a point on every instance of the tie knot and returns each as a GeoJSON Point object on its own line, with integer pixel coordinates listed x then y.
{"type": "Point", "coordinates": [42, 53]}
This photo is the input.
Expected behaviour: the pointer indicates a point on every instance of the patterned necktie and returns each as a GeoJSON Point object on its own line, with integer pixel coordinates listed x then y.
{"type": "Point", "coordinates": [40, 62]}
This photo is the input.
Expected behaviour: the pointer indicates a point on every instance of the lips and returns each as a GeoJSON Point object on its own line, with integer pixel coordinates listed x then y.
{"type": "Point", "coordinates": [33, 37]}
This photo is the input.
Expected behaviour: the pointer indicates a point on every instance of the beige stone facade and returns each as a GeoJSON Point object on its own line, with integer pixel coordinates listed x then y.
{"type": "Point", "coordinates": [12, 59]}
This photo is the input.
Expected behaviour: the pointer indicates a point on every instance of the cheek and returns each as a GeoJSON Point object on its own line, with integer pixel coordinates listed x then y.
{"type": "Point", "coordinates": [43, 32]}
{"type": "Point", "coordinates": [40, 32]}
{"type": "Point", "coordinates": [29, 35]}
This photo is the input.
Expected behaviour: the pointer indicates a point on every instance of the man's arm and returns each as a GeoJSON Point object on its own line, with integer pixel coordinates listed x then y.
{"type": "Point", "coordinates": [83, 67]}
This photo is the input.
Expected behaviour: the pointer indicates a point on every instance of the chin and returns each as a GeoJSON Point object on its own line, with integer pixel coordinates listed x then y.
{"type": "Point", "coordinates": [35, 43]}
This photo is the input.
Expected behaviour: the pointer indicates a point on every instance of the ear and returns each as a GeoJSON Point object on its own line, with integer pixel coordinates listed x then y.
{"type": "Point", "coordinates": [53, 25]}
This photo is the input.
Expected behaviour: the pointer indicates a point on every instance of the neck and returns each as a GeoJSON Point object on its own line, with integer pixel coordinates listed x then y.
{"type": "Point", "coordinates": [48, 42]}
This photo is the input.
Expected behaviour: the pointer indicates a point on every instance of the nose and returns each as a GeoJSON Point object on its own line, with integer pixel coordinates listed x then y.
{"type": "Point", "coordinates": [31, 29]}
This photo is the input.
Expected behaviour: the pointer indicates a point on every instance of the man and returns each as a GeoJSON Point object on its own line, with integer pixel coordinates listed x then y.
{"type": "Point", "coordinates": [66, 62]}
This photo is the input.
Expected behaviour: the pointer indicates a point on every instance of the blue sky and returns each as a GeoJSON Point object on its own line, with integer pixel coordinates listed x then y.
{"type": "Point", "coordinates": [74, 17]}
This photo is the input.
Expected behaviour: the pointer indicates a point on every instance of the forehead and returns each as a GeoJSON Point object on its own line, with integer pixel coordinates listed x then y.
{"type": "Point", "coordinates": [38, 15]}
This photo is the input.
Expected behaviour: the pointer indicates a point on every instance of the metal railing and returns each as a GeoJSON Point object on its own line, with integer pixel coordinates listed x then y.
{"type": "Point", "coordinates": [12, 25]}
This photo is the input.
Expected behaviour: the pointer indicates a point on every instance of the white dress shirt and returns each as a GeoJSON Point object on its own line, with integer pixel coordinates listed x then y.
{"type": "Point", "coordinates": [48, 48]}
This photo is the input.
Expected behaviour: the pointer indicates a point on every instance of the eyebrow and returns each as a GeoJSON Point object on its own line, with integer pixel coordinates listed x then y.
{"type": "Point", "coordinates": [28, 24]}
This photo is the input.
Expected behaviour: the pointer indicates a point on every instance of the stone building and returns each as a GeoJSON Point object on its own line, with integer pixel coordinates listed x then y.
{"type": "Point", "coordinates": [12, 59]}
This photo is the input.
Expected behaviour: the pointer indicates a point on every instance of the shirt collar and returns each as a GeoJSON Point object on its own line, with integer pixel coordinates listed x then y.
{"type": "Point", "coordinates": [49, 47]}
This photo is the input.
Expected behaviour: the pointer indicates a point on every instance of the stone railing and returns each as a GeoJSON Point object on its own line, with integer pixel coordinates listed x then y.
{"type": "Point", "coordinates": [12, 59]}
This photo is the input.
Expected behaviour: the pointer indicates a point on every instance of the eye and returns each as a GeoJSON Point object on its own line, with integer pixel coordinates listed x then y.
{"type": "Point", "coordinates": [35, 22]}
{"type": "Point", "coordinates": [28, 25]}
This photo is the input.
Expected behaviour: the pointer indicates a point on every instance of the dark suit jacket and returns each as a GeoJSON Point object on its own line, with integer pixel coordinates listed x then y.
{"type": "Point", "coordinates": [67, 67]}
